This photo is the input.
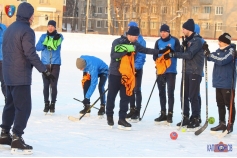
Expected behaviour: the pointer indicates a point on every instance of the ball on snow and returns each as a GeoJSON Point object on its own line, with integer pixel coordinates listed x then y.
{"type": "Point", "coordinates": [211, 120]}
{"type": "Point", "coordinates": [173, 135]}
{"type": "Point", "coordinates": [183, 129]}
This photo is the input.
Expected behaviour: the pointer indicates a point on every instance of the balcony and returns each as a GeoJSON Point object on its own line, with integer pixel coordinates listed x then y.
{"type": "Point", "coordinates": [205, 2]}
{"type": "Point", "coordinates": [204, 16]}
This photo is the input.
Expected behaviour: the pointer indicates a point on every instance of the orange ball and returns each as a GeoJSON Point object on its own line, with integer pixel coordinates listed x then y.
{"type": "Point", "coordinates": [173, 135]}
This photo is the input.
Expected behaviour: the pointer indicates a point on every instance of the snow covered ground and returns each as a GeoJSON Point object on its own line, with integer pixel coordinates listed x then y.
{"type": "Point", "coordinates": [56, 136]}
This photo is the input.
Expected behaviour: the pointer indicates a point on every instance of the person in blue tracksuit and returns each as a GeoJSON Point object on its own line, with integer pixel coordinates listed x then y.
{"type": "Point", "coordinates": [194, 62]}
{"type": "Point", "coordinates": [222, 79]}
{"type": "Point", "coordinates": [169, 77]}
{"type": "Point", "coordinates": [93, 68]}
{"type": "Point", "coordinates": [19, 58]}
{"type": "Point", "coordinates": [50, 46]}
{"type": "Point", "coordinates": [136, 98]}
{"type": "Point", "coordinates": [3, 88]}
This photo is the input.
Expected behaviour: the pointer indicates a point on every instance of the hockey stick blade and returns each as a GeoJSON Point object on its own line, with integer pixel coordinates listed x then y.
{"type": "Point", "coordinates": [74, 119]}
{"type": "Point", "coordinates": [201, 129]}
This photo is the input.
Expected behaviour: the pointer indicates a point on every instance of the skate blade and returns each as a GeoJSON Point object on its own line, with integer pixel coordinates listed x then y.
{"type": "Point", "coordinates": [100, 116]}
{"type": "Point", "coordinates": [74, 119]}
{"type": "Point", "coordinates": [111, 127]}
{"type": "Point", "coordinates": [134, 120]}
{"type": "Point", "coordinates": [5, 146]}
{"type": "Point", "coordinates": [128, 119]}
{"type": "Point", "coordinates": [162, 123]}
{"type": "Point", "coordinates": [86, 115]}
{"type": "Point", "coordinates": [193, 129]}
{"type": "Point", "coordinates": [51, 113]}
{"type": "Point", "coordinates": [124, 128]}
{"type": "Point", "coordinates": [21, 152]}
{"type": "Point", "coordinates": [223, 134]}
{"type": "Point", "coordinates": [45, 113]}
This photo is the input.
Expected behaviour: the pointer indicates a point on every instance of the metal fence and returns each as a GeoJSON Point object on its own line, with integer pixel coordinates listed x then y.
{"type": "Point", "coordinates": [118, 27]}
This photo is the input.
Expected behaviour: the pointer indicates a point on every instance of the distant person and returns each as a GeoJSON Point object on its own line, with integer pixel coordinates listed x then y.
{"type": "Point", "coordinates": [50, 46]}
{"type": "Point", "coordinates": [3, 87]}
{"type": "Point", "coordinates": [19, 56]}
{"type": "Point", "coordinates": [136, 98]}
{"type": "Point", "coordinates": [93, 68]}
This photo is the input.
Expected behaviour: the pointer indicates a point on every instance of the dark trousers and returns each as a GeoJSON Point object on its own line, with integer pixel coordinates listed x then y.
{"type": "Point", "coordinates": [101, 87]}
{"type": "Point", "coordinates": [223, 100]}
{"type": "Point", "coordinates": [162, 80]}
{"type": "Point", "coordinates": [191, 92]}
{"type": "Point", "coordinates": [3, 87]}
{"type": "Point", "coordinates": [137, 93]}
{"type": "Point", "coordinates": [17, 109]}
{"type": "Point", "coordinates": [49, 85]}
{"type": "Point", "coordinates": [115, 86]}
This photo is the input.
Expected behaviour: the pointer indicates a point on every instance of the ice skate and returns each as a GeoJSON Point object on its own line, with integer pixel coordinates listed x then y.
{"type": "Point", "coordinates": [136, 116]}
{"type": "Point", "coordinates": [5, 138]}
{"type": "Point", "coordinates": [18, 146]}
{"type": "Point", "coordinates": [219, 128]}
{"type": "Point", "coordinates": [162, 119]}
{"type": "Point", "coordinates": [46, 107]}
{"type": "Point", "coordinates": [101, 112]}
{"type": "Point", "coordinates": [110, 121]}
{"type": "Point", "coordinates": [131, 112]}
{"type": "Point", "coordinates": [194, 125]}
{"type": "Point", "coordinates": [124, 125]}
{"type": "Point", "coordinates": [52, 109]}
{"type": "Point", "coordinates": [82, 112]}
{"type": "Point", "coordinates": [185, 123]}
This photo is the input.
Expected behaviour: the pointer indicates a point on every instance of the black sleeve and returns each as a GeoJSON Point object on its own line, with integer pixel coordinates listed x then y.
{"type": "Point", "coordinates": [177, 45]}
{"type": "Point", "coordinates": [144, 50]}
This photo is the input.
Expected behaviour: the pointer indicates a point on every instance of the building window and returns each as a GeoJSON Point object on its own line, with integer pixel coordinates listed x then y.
{"type": "Point", "coordinates": [143, 25]}
{"type": "Point", "coordinates": [154, 10]}
{"type": "Point", "coordinates": [83, 23]}
{"type": "Point", "coordinates": [99, 10]}
{"type": "Point", "coordinates": [219, 26]}
{"type": "Point", "coordinates": [207, 9]}
{"type": "Point", "coordinates": [98, 24]}
{"type": "Point", "coordinates": [106, 24]}
{"type": "Point", "coordinates": [22, 0]}
{"type": "Point", "coordinates": [64, 2]}
{"type": "Point", "coordinates": [219, 10]}
{"type": "Point", "coordinates": [116, 24]}
{"type": "Point", "coordinates": [106, 10]}
{"type": "Point", "coordinates": [44, 1]}
{"type": "Point", "coordinates": [153, 25]}
{"type": "Point", "coordinates": [164, 10]}
{"type": "Point", "coordinates": [206, 25]}
{"type": "Point", "coordinates": [195, 10]}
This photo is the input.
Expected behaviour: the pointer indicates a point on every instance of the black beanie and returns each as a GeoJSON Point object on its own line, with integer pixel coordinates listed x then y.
{"type": "Point", "coordinates": [165, 28]}
{"type": "Point", "coordinates": [225, 37]}
{"type": "Point", "coordinates": [133, 31]}
{"type": "Point", "coordinates": [189, 25]}
{"type": "Point", "coordinates": [52, 22]}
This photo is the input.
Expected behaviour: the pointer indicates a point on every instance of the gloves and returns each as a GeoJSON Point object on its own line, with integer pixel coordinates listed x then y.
{"type": "Point", "coordinates": [86, 101]}
{"type": "Point", "coordinates": [185, 43]}
{"type": "Point", "coordinates": [56, 37]}
{"type": "Point", "coordinates": [169, 55]}
{"type": "Point", "coordinates": [206, 50]}
{"type": "Point", "coordinates": [165, 50]}
{"type": "Point", "coordinates": [48, 75]}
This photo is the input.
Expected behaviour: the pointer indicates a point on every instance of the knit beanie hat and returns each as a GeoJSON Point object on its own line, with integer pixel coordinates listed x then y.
{"type": "Point", "coordinates": [225, 37]}
{"type": "Point", "coordinates": [133, 31]}
{"type": "Point", "coordinates": [165, 28]}
{"type": "Point", "coordinates": [189, 25]}
{"type": "Point", "coordinates": [52, 22]}
{"type": "Point", "coordinates": [132, 23]}
{"type": "Point", "coordinates": [81, 63]}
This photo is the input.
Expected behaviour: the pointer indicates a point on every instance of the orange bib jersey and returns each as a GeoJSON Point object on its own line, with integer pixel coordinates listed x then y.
{"type": "Point", "coordinates": [162, 64]}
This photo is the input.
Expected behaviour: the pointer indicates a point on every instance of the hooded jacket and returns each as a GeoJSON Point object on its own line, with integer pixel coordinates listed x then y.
{"type": "Point", "coordinates": [19, 51]}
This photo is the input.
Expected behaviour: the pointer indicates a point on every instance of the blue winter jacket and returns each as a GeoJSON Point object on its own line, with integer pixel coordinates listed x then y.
{"type": "Point", "coordinates": [2, 30]}
{"type": "Point", "coordinates": [193, 55]}
{"type": "Point", "coordinates": [19, 52]}
{"type": "Point", "coordinates": [94, 66]}
{"type": "Point", "coordinates": [174, 44]}
{"type": "Point", "coordinates": [223, 67]}
{"type": "Point", "coordinates": [49, 56]}
{"type": "Point", "coordinates": [140, 58]}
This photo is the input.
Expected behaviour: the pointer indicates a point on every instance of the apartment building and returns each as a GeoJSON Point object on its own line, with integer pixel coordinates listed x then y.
{"type": "Point", "coordinates": [45, 10]}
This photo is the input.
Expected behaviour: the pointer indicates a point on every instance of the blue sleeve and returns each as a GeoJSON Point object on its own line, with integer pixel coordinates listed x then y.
{"type": "Point", "coordinates": [94, 80]}
{"type": "Point", "coordinates": [39, 45]}
{"type": "Point", "coordinates": [222, 60]}
{"type": "Point", "coordinates": [3, 29]}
